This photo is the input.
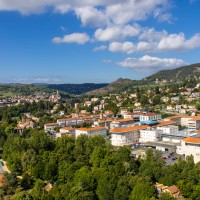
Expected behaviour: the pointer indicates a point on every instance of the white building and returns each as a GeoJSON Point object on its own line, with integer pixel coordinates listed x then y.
{"type": "Point", "coordinates": [190, 146]}
{"type": "Point", "coordinates": [122, 123]}
{"type": "Point", "coordinates": [65, 131]}
{"type": "Point", "coordinates": [168, 129]}
{"type": "Point", "coordinates": [194, 124]}
{"type": "Point", "coordinates": [150, 116]}
{"type": "Point", "coordinates": [150, 135]}
{"type": "Point", "coordinates": [126, 136]}
{"type": "Point", "coordinates": [50, 126]}
{"type": "Point", "coordinates": [91, 131]}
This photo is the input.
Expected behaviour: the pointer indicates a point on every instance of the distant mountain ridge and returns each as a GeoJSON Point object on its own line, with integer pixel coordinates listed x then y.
{"type": "Point", "coordinates": [77, 88]}
{"type": "Point", "coordinates": [118, 84]}
{"type": "Point", "coordinates": [177, 74]}
{"type": "Point", "coordinates": [174, 75]}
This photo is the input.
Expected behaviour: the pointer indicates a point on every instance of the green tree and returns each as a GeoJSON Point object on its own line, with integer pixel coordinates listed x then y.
{"type": "Point", "coordinates": [166, 196]}
{"type": "Point", "coordinates": [106, 186]}
{"type": "Point", "coordinates": [123, 190]}
{"type": "Point", "coordinates": [38, 190]}
{"type": "Point", "coordinates": [142, 191]}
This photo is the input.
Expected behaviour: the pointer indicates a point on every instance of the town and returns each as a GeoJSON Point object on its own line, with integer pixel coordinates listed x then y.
{"type": "Point", "coordinates": [160, 118]}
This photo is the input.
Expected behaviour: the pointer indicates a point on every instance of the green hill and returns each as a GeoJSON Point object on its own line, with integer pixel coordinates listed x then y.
{"type": "Point", "coordinates": [167, 76]}
{"type": "Point", "coordinates": [178, 74]}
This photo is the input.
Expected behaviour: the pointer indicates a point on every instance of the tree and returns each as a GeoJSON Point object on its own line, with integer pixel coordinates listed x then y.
{"type": "Point", "coordinates": [38, 190]}
{"type": "Point", "coordinates": [11, 179]}
{"type": "Point", "coordinates": [123, 190]}
{"type": "Point", "coordinates": [24, 195]}
{"type": "Point", "coordinates": [78, 193]}
{"type": "Point", "coordinates": [26, 181]}
{"type": "Point", "coordinates": [142, 191]}
{"type": "Point", "coordinates": [84, 178]}
{"type": "Point", "coordinates": [106, 186]}
{"type": "Point", "coordinates": [166, 196]}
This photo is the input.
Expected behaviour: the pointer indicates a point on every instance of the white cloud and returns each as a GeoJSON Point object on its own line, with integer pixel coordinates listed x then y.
{"type": "Point", "coordinates": [151, 64]}
{"type": "Point", "coordinates": [157, 42]}
{"type": "Point", "coordinates": [150, 34]}
{"type": "Point", "coordinates": [91, 16]}
{"type": "Point", "coordinates": [130, 10]}
{"type": "Point", "coordinates": [115, 11]}
{"type": "Point", "coordinates": [177, 42]}
{"type": "Point", "coordinates": [125, 47]}
{"type": "Point", "coordinates": [146, 46]}
{"type": "Point", "coordinates": [117, 32]}
{"type": "Point", "coordinates": [79, 38]}
{"type": "Point", "coordinates": [33, 79]}
{"type": "Point", "coordinates": [100, 48]}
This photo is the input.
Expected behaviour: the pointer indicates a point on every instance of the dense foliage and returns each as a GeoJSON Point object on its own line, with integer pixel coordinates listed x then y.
{"type": "Point", "coordinates": [89, 168]}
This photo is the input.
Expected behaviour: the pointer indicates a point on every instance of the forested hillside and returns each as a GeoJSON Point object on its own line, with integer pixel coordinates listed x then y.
{"type": "Point", "coordinates": [178, 74]}
{"type": "Point", "coordinates": [77, 88]}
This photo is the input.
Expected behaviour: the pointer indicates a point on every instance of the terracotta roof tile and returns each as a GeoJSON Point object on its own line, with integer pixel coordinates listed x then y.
{"type": "Point", "coordinates": [173, 189]}
{"type": "Point", "coordinates": [123, 120]}
{"type": "Point", "coordinates": [91, 129]}
{"type": "Point", "coordinates": [192, 140]}
{"type": "Point", "coordinates": [127, 129]}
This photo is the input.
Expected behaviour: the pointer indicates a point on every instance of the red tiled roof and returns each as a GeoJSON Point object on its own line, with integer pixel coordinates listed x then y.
{"type": "Point", "coordinates": [123, 120]}
{"type": "Point", "coordinates": [91, 129]}
{"type": "Point", "coordinates": [127, 129]}
{"type": "Point", "coordinates": [165, 123]}
{"type": "Point", "coordinates": [173, 189]}
{"type": "Point", "coordinates": [192, 140]}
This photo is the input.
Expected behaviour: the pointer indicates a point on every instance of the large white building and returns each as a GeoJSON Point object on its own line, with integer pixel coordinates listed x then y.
{"type": "Point", "coordinates": [75, 121]}
{"type": "Point", "coordinates": [150, 135]}
{"type": "Point", "coordinates": [91, 131]}
{"type": "Point", "coordinates": [190, 146]}
{"type": "Point", "coordinates": [122, 123]}
{"type": "Point", "coordinates": [126, 136]}
{"type": "Point", "coordinates": [168, 129]}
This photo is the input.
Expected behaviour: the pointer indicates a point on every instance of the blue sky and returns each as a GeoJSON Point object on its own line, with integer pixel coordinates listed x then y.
{"type": "Point", "coordinates": [65, 41]}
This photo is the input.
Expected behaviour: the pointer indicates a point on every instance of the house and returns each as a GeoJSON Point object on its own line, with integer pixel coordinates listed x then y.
{"type": "Point", "coordinates": [50, 126]}
{"type": "Point", "coordinates": [91, 131]}
{"type": "Point", "coordinates": [108, 114]}
{"type": "Point", "coordinates": [122, 123]}
{"type": "Point", "coordinates": [149, 118]}
{"type": "Point", "coordinates": [87, 103]}
{"type": "Point", "coordinates": [126, 136]}
{"type": "Point", "coordinates": [165, 99]}
{"type": "Point", "coordinates": [128, 115]}
{"type": "Point", "coordinates": [172, 190]}
{"type": "Point", "coordinates": [24, 124]}
{"type": "Point", "coordinates": [94, 99]}
{"type": "Point", "coordinates": [65, 131]}
{"type": "Point", "coordinates": [137, 104]}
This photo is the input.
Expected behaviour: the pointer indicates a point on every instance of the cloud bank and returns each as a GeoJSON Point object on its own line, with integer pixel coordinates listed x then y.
{"type": "Point", "coordinates": [151, 64]}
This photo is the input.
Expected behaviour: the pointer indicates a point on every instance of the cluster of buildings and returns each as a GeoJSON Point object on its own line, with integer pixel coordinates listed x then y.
{"type": "Point", "coordinates": [36, 97]}
{"type": "Point", "coordinates": [144, 128]}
